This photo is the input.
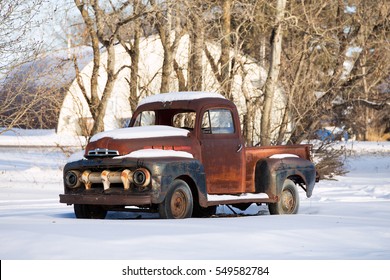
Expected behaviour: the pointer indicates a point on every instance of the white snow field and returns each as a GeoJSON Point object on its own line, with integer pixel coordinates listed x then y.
{"type": "Point", "coordinates": [345, 219]}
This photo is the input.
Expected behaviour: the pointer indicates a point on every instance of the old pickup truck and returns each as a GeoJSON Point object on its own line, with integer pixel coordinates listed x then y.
{"type": "Point", "coordinates": [182, 156]}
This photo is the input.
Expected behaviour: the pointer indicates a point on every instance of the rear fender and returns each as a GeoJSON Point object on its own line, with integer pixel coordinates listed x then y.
{"type": "Point", "coordinates": [271, 173]}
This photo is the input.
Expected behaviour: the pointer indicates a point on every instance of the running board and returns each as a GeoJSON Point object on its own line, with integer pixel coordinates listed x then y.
{"type": "Point", "coordinates": [234, 199]}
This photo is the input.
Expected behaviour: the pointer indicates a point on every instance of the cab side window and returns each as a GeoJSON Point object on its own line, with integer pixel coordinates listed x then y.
{"type": "Point", "coordinates": [217, 121]}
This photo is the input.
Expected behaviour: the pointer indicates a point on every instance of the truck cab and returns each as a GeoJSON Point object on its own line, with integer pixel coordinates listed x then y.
{"type": "Point", "coordinates": [214, 126]}
{"type": "Point", "coordinates": [182, 155]}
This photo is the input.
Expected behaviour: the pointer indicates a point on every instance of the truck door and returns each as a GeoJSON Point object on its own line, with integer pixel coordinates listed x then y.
{"type": "Point", "coordinates": [222, 152]}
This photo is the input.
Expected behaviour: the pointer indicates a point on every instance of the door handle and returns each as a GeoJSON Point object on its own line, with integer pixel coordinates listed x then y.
{"type": "Point", "coordinates": [239, 148]}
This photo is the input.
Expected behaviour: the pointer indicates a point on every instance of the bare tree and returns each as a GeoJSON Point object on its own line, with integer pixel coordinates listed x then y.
{"type": "Point", "coordinates": [345, 53]}
{"type": "Point", "coordinates": [31, 95]}
{"type": "Point", "coordinates": [17, 18]}
{"type": "Point", "coordinates": [328, 59]}
{"type": "Point", "coordinates": [226, 44]}
{"type": "Point", "coordinates": [168, 18]}
{"type": "Point", "coordinates": [222, 67]}
{"type": "Point", "coordinates": [104, 25]}
{"type": "Point", "coordinates": [273, 72]}
{"type": "Point", "coordinates": [131, 43]}
{"type": "Point", "coordinates": [196, 29]}
{"type": "Point", "coordinates": [174, 19]}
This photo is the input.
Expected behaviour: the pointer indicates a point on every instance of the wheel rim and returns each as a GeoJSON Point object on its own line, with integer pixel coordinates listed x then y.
{"type": "Point", "coordinates": [288, 201]}
{"type": "Point", "coordinates": [178, 204]}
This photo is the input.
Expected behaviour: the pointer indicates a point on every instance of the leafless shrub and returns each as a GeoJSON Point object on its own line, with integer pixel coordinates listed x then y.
{"type": "Point", "coordinates": [329, 159]}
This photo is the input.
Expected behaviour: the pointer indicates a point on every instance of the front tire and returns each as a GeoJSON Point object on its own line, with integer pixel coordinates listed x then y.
{"type": "Point", "coordinates": [85, 211]}
{"type": "Point", "coordinates": [288, 202]}
{"type": "Point", "coordinates": [178, 203]}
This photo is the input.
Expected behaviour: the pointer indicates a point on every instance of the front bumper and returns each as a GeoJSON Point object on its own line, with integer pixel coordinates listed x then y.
{"type": "Point", "coordinates": [103, 199]}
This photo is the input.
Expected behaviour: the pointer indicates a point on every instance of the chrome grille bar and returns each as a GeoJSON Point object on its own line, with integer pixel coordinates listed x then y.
{"type": "Point", "coordinates": [103, 153]}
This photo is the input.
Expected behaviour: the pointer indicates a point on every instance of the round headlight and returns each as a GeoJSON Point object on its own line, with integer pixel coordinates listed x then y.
{"type": "Point", "coordinates": [141, 177]}
{"type": "Point", "coordinates": [72, 179]}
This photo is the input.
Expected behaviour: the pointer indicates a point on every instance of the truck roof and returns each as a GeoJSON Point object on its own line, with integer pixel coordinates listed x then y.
{"type": "Point", "coordinates": [179, 96]}
{"type": "Point", "coordinates": [183, 101]}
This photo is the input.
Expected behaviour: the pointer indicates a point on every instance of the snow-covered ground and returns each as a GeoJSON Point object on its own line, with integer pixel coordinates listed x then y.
{"type": "Point", "coordinates": [348, 218]}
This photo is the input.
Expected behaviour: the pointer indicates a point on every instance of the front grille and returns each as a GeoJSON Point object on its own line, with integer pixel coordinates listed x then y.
{"type": "Point", "coordinates": [103, 153]}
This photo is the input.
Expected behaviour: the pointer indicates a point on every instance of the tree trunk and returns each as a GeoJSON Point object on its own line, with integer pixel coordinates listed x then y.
{"type": "Point", "coordinates": [195, 67]}
{"type": "Point", "coordinates": [167, 70]}
{"type": "Point", "coordinates": [101, 34]}
{"type": "Point", "coordinates": [170, 44]}
{"type": "Point", "coordinates": [248, 120]}
{"type": "Point", "coordinates": [133, 50]}
{"type": "Point", "coordinates": [100, 112]}
{"type": "Point", "coordinates": [262, 51]}
{"type": "Point", "coordinates": [273, 74]}
{"type": "Point", "coordinates": [291, 94]}
{"type": "Point", "coordinates": [225, 48]}
{"type": "Point", "coordinates": [180, 77]}
{"type": "Point", "coordinates": [134, 69]}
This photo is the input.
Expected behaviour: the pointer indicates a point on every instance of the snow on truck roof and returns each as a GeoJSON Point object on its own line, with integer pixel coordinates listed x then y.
{"type": "Point", "coordinates": [179, 96]}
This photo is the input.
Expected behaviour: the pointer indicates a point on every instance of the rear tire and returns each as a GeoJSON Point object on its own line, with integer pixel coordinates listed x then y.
{"type": "Point", "coordinates": [178, 203]}
{"type": "Point", "coordinates": [288, 202]}
{"type": "Point", "coordinates": [85, 211]}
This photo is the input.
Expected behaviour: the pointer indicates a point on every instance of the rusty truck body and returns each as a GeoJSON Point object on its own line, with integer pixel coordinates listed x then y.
{"type": "Point", "coordinates": [182, 156]}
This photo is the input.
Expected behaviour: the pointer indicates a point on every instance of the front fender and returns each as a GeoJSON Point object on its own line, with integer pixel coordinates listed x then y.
{"type": "Point", "coordinates": [190, 169]}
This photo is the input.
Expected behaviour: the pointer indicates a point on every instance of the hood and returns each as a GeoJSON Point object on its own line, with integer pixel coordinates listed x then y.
{"type": "Point", "coordinates": [121, 142]}
{"type": "Point", "coordinates": [141, 132]}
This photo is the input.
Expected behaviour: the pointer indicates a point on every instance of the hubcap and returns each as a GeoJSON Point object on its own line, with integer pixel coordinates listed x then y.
{"type": "Point", "coordinates": [288, 201]}
{"type": "Point", "coordinates": [178, 204]}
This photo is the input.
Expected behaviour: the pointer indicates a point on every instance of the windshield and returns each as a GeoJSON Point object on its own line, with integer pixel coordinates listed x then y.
{"type": "Point", "coordinates": [173, 118]}
{"type": "Point", "coordinates": [145, 118]}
